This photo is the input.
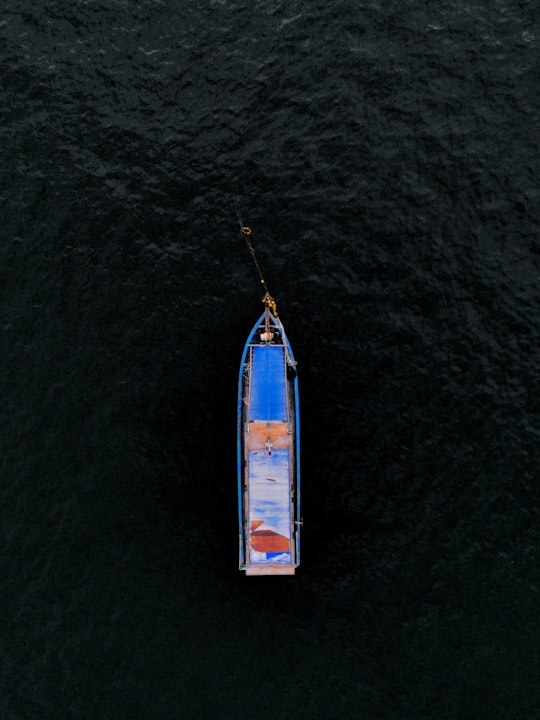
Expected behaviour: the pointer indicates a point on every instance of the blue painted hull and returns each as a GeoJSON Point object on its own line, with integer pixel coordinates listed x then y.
{"type": "Point", "coordinates": [268, 453]}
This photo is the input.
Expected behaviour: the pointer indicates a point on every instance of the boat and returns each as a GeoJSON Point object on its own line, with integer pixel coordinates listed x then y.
{"type": "Point", "coordinates": [268, 450]}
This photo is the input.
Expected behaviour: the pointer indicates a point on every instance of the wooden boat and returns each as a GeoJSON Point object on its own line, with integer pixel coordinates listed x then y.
{"type": "Point", "coordinates": [268, 451]}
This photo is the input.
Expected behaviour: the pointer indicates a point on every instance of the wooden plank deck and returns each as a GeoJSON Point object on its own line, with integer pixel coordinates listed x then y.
{"type": "Point", "coordinates": [261, 433]}
{"type": "Point", "coordinates": [269, 570]}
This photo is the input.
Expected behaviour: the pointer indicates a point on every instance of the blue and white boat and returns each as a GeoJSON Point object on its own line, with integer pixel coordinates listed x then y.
{"type": "Point", "coordinates": [268, 451]}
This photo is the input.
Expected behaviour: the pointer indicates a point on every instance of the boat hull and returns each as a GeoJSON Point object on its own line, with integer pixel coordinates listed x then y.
{"type": "Point", "coordinates": [268, 453]}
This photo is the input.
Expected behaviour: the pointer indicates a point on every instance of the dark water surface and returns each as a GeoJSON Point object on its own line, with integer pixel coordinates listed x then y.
{"type": "Point", "coordinates": [387, 156]}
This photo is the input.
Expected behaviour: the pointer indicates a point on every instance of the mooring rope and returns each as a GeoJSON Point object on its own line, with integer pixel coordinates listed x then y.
{"type": "Point", "coordinates": [246, 231]}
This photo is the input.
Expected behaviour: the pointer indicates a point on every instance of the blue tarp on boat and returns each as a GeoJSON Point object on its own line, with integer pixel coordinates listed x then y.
{"type": "Point", "coordinates": [268, 399]}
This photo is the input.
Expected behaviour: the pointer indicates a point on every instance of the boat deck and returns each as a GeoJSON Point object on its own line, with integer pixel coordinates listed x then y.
{"type": "Point", "coordinates": [267, 432]}
{"type": "Point", "coordinates": [260, 434]}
